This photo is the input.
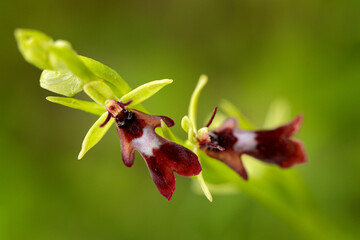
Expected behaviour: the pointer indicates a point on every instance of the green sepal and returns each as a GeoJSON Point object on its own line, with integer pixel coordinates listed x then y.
{"type": "Point", "coordinates": [109, 75]}
{"type": "Point", "coordinates": [145, 91]}
{"type": "Point", "coordinates": [195, 98]}
{"type": "Point", "coordinates": [204, 187]}
{"type": "Point", "coordinates": [64, 83]}
{"type": "Point", "coordinates": [34, 46]}
{"type": "Point", "coordinates": [95, 134]}
{"type": "Point", "coordinates": [99, 91]}
{"type": "Point", "coordinates": [168, 134]}
{"type": "Point", "coordinates": [63, 58]}
{"type": "Point", "coordinates": [230, 110]}
{"type": "Point", "coordinates": [86, 106]}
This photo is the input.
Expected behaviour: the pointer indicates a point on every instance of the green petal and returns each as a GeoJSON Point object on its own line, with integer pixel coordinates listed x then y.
{"type": "Point", "coordinates": [64, 58]}
{"type": "Point", "coordinates": [143, 92]}
{"type": "Point", "coordinates": [195, 98]}
{"type": "Point", "coordinates": [204, 187]}
{"type": "Point", "coordinates": [86, 106]}
{"type": "Point", "coordinates": [233, 111]}
{"type": "Point", "coordinates": [111, 76]}
{"type": "Point", "coordinates": [95, 134]}
{"type": "Point", "coordinates": [64, 83]}
{"type": "Point", "coordinates": [99, 91]}
{"type": "Point", "coordinates": [34, 46]}
{"type": "Point", "coordinates": [278, 113]}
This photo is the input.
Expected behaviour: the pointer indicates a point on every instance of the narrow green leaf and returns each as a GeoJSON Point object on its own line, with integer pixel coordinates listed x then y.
{"type": "Point", "coordinates": [95, 134]}
{"type": "Point", "coordinates": [34, 46]}
{"type": "Point", "coordinates": [195, 98]}
{"type": "Point", "coordinates": [108, 74]}
{"type": "Point", "coordinates": [86, 106]}
{"type": "Point", "coordinates": [233, 111]}
{"type": "Point", "coordinates": [168, 134]}
{"type": "Point", "coordinates": [278, 113]}
{"type": "Point", "coordinates": [99, 91]}
{"type": "Point", "coordinates": [143, 92]}
{"type": "Point", "coordinates": [64, 83]}
{"type": "Point", "coordinates": [64, 58]}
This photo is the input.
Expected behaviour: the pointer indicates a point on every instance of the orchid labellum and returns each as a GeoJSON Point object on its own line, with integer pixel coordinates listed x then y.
{"type": "Point", "coordinates": [227, 143]}
{"type": "Point", "coordinates": [163, 157]}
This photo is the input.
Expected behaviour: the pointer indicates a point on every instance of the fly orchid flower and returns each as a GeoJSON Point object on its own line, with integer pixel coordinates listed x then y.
{"type": "Point", "coordinates": [163, 157]}
{"type": "Point", "coordinates": [227, 143]}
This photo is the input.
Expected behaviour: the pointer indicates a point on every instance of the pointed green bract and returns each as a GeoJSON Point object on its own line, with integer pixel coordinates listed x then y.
{"type": "Point", "coordinates": [233, 111]}
{"type": "Point", "coordinates": [95, 134]}
{"type": "Point", "coordinates": [99, 91]}
{"type": "Point", "coordinates": [143, 92]}
{"type": "Point", "coordinates": [64, 58]}
{"type": "Point", "coordinates": [86, 106]}
{"type": "Point", "coordinates": [106, 73]}
{"type": "Point", "coordinates": [195, 98]}
{"type": "Point", "coordinates": [64, 83]}
{"type": "Point", "coordinates": [34, 46]}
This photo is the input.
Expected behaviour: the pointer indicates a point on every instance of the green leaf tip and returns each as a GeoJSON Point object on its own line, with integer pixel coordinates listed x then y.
{"type": "Point", "coordinates": [34, 46]}
{"type": "Point", "coordinates": [95, 134]}
{"type": "Point", "coordinates": [86, 106]}
{"type": "Point", "coordinates": [64, 58]}
{"type": "Point", "coordinates": [145, 91]}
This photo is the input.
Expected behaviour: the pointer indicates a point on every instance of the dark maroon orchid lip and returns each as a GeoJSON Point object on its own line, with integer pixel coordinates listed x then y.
{"type": "Point", "coordinates": [163, 157]}
{"type": "Point", "coordinates": [227, 144]}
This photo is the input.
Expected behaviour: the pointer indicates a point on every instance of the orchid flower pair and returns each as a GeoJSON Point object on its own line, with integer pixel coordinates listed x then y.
{"type": "Point", "coordinates": [66, 73]}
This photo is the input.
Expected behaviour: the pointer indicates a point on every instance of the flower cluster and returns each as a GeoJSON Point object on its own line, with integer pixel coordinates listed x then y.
{"type": "Point", "coordinates": [66, 73]}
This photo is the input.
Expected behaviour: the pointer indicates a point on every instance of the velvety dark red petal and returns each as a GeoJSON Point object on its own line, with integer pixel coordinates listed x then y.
{"type": "Point", "coordinates": [274, 146]}
{"type": "Point", "coordinates": [169, 158]}
{"type": "Point", "coordinates": [230, 158]}
{"type": "Point", "coordinates": [163, 157]}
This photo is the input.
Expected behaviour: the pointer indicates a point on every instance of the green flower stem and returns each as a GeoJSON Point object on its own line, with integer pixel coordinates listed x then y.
{"type": "Point", "coordinates": [305, 222]}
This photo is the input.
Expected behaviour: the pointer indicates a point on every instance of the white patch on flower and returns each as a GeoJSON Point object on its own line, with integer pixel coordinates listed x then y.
{"type": "Point", "coordinates": [147, 142]}
{"type": "Point", "coordinates": [245, 141]}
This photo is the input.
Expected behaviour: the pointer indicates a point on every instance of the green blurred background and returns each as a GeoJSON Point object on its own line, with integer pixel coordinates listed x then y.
{"type": "Point", "coordinates": [307, 52]}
